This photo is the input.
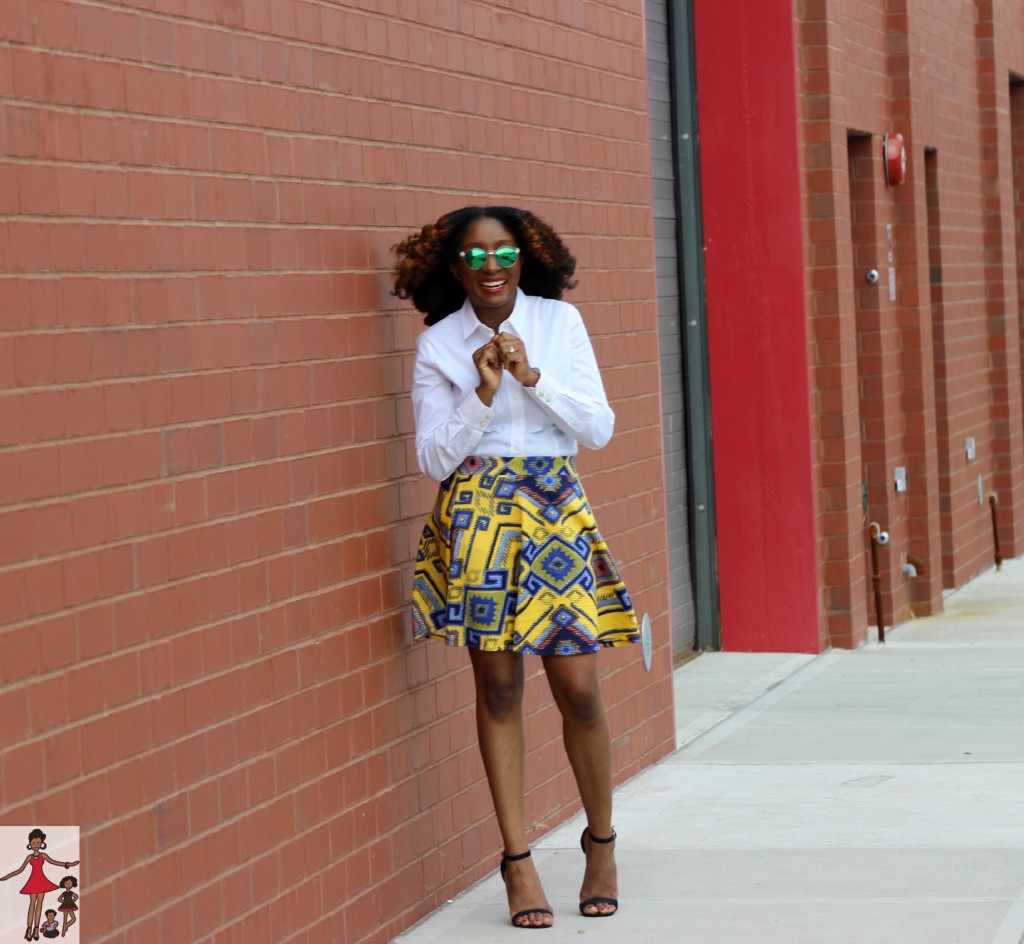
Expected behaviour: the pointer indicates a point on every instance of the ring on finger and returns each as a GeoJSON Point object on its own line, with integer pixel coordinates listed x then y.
{"type": "Point", "coordinates": [511, 349]}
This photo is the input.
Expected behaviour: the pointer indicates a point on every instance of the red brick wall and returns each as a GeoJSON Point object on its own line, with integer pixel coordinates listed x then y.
{"type": "Point", "coordinates": [942, 361]}
{"type": "Point", "coordinates": [208, 501]}
{"type": "Point", "coordinates": [832, 334]}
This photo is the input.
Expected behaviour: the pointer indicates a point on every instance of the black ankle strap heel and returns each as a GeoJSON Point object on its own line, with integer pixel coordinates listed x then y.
{"type": "Point", "coordinates": [529, 911]}
{"type": "Point", "coordinates": [515, 858]}
{"type": "Point", "coordinates": [597, 900]}
{"type": "Point", "coordinates": [604, 842]}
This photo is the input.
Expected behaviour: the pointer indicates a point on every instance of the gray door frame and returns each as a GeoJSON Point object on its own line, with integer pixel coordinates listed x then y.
{"type": "Point", "coordinates": [690, 239]}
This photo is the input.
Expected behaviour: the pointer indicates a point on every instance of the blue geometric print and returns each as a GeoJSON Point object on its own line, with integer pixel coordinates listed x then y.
{"type": "Point", "coordinates": [511, 559]}
{"type": "Point", "coordinates": [558, 565]}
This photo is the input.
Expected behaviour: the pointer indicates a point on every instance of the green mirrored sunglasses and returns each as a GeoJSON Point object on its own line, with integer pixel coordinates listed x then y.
{"type": "Point", "coordinates": [477, 258]}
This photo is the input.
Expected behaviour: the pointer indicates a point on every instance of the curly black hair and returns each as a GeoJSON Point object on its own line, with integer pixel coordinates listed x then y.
{"type": "Point", "coordinates": [68, 878]}
{"type": "Point", "coordinates": [423, 270]}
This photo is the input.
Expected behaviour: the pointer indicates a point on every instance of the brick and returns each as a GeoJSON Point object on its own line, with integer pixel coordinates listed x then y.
{"type": "Point", "coordinates": [45, 587]}
{"type": "Point", "coordinates": [22, 769]}
{"type": "Point", "coordinates": [15, 712]}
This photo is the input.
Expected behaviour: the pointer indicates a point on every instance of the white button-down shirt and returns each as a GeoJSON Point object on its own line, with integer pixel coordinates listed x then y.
{"type": "Point", "coordinates": [568, 404]}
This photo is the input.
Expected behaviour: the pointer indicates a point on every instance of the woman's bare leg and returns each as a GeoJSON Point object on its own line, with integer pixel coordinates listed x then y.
{"type": "Point", "coordinates": [575, 688]}
{"type": "Point", "coordinates": [499, 722]}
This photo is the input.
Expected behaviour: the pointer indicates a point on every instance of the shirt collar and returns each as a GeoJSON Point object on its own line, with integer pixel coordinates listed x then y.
{"type": "Point", "coordinates": [471, 323]}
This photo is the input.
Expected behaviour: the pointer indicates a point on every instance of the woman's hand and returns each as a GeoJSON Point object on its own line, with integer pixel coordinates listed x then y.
{"type": "Point", "coordinates": [487, 360]}
{"type": "Point", "coordinates": [515, 359]}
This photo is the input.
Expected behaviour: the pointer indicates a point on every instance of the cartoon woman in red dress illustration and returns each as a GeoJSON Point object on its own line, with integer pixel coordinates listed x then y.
{"type": "Point", "coordinates": [38, 884]}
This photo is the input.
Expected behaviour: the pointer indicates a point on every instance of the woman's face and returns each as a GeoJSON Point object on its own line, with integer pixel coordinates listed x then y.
{"type": "Point", "coordinates": [35, 843]}
{"type": "Point", "coordinates": [491, 289]}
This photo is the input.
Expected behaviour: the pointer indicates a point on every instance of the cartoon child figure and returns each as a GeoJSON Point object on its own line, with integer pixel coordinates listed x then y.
{"type": "Point", "coordinates": [38, 884]}
{"type": "Point", "coordinates": [68, 901]}
{"type": "Point", "coordinates": [50, 927]}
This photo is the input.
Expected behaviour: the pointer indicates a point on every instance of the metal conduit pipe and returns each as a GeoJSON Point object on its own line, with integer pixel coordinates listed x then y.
{"type": "Point", "coordinates": [993, 501]}
{"type": "Point", "coordinates": [878, 537]}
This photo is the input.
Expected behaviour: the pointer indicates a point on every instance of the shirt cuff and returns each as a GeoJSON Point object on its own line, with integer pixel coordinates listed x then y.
{"type": "Point", "coordinates": [545, 389]}
{"type": "Point", "coordinates": [475, 412]}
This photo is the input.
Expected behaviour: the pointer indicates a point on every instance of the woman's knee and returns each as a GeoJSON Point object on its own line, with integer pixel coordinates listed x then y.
{"type": "Point", "coordinates": [576, 689]}
{"type": "Point", "coordinates": [581, 704]}
{"type": "Point", "coordinates": [500, 697]}
{"type": "Point", "coordinates": [499, 683]}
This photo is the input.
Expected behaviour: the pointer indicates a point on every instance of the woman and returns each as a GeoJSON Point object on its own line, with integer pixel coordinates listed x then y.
{"type": "Point", "coordinates": [505, 384]}
{"type": "Point", "coordinates": [38, 884]}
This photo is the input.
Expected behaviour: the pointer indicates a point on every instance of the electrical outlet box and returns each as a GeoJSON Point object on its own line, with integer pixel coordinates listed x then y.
{"type": "Point", "coordinates": [900, 477]}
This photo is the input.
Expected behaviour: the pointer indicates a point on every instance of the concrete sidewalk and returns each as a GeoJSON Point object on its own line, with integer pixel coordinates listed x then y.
{"type": "Point", "coordinates": [868, 796]}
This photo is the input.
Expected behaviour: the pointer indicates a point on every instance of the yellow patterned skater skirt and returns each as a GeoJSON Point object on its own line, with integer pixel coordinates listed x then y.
{"type": "Point", "coordinates": [511, 559]}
